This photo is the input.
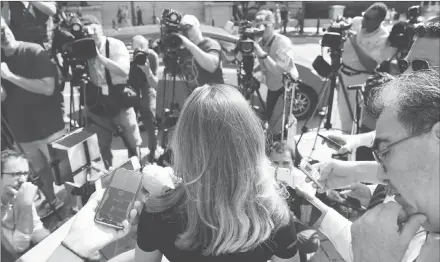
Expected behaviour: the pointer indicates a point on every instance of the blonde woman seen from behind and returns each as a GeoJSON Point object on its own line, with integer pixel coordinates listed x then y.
{"type": "Point", "coordinates": [227, 207]}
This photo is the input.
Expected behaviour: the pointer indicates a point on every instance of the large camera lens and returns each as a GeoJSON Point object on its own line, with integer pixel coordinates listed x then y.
{"type": "Point", "coordinates": [140, 57]}
{"type": "Point", "coordinates": [247, 46]}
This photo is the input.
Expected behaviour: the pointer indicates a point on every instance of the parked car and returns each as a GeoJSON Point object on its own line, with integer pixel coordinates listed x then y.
{"type": "Point", "coordinates": [307, 92]}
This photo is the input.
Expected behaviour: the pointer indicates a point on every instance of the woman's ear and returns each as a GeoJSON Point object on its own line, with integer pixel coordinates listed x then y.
{"type": "Point", "coordinates": [436, 130]}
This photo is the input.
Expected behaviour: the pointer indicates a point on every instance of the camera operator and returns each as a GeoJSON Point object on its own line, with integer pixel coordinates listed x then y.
{"type": "Point", "coordinates": [143, 77]}
{"type": "Point", "coordinates": [275, 54]}
{"type": "Point", "coordinates": [32, 21]}
{"type": "Point", "coordinates": [21, 224]}
{"type": "Point", "coordinates": [206, 52]}
{"type": "Point", "coordinates": [32, 105]}
{"type": "Point", "coordinates": [106, 118]}
{"type": "Point", "coordinates": [365, 49]}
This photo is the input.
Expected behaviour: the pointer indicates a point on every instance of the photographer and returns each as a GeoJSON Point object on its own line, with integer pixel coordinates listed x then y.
{"type": "Point", "coordinates": [105, 107]}
{"type": "Point", "coordinates": [143, 77]}
{"type": "Point", "coordinates": [32, 106]}
{"type": "Point", "coordinates": [366, 48]}
{"type": "Point", "coordinates": [21, 224]}
{"type": "Point", "coordinates": [275, 54]}
{"type": "Point", "coordinates": [206, 52]}
{"type": "Point", "coordinates": [32, 21]}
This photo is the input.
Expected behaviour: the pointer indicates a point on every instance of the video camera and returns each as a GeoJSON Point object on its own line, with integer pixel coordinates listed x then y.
{"type": "Point", "coordinates": [334, 39]}
{"type": "Point", "coordinates": [245, 46]}
{"type": "Point", "coordinates": [337, 33]}
{"type": "Point", "coordinates": [70, 40]}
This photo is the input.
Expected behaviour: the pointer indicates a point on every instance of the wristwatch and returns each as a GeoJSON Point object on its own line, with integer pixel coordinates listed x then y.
{"type": "Point", "coordinates": [264, 56]}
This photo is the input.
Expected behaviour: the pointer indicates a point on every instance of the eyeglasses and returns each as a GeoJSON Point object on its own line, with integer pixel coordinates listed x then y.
{"type": "Point", "coordinates": [16, 174]}
{"type": "Point", "coordinates": [378, 153]}
{"type": "Point", "coordinates": [417, 65]}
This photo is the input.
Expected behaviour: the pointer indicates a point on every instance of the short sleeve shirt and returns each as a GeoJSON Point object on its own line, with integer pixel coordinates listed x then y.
{"type": "Point", "coordinates": [195, 75]}
{"type": "Point", "coordinates": [158, 231]}
{"type": "Point", "coordinates": [374, 44]}
{"type": "Point", "coordinates": [280, 49]}
{"type": "Point", "coordinates": [32, 116]}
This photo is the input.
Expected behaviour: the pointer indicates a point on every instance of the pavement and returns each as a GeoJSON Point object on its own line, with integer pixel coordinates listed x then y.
{"type": "Point", "coordinates": [309, 146]}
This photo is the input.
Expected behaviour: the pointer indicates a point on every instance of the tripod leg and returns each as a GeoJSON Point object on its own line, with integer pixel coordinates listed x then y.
{"type": "Point", "coordinates": [322, 94]}
{"type": "Point", "coordinates": [347, 100]}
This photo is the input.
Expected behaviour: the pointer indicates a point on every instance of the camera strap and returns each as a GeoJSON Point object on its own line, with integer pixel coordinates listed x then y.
{"type": "Point", "coordinates": [108, 77]}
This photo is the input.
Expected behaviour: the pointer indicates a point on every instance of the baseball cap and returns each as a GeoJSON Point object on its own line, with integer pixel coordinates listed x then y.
{"type": "Point", "coordinates": [89, 19]}
{"type": "Point", "coordinates": [265, 17]}
{"type": "Point", "coordinates": [190, 20]}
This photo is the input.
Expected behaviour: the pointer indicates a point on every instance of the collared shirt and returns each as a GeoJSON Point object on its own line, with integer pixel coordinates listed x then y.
{"type": "Point", "coordinates": [280, 49]}
{"type": "Point", "coordinates": [375, 44]}
{"type": "Point", "coordinates": [338, 230]}
{"type": "Point", "coordinates": [119, 54]}
{"type": "Point", "coordinates": [17, 239]}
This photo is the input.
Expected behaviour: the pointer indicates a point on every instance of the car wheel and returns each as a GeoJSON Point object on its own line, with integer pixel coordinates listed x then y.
{"type": "Point", "coordinates": [305, 101]}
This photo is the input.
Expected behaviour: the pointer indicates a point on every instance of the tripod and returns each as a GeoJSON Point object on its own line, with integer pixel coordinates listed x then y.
{"type": "Point", "coordinates": [334, 77]}
{"type": "Point", "coordinates": [247, 82]}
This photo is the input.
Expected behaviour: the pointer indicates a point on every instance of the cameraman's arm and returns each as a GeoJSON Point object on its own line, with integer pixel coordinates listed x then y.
{"type": "Point", "coordinates": [47, 7]}
{"type": "Point", "coordinates": [41, 79]}
{"type": "Point", "coordinates": [209, 60]}
{"type": "Point", "coordinates": [151, 71]}
{"type": "Point", "coordinates": [119, 61]}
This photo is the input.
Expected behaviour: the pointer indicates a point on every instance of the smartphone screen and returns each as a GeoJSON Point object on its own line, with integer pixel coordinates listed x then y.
{"type": "Point", "coordinates": [119, 198]}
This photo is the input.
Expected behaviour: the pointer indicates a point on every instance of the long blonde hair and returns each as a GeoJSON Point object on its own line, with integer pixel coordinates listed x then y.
{"type": "Point", "coordinates": [231, 203]}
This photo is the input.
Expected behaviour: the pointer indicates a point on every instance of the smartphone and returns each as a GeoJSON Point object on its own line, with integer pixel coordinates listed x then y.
{"type": "Point", "coordinates": [119, 197]}
{"type": "Point", "coordinates": [282, 174]}
{"type": "Point", "coordinates": [310, 172]}
{"type": "Point", "coordinates": [330, 141]}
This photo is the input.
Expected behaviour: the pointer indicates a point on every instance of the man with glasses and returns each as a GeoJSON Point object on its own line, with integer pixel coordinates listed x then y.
{"type": "Point", "coordinates": [407, 152]}
{"type": "Point", "coordinates": [275, 55]}
{"type": "Point", "coordinates": [204, 66]}
{"type": "Point", "coordinates": [366, 47]}
{"type": "Point", "coordinates": [21, 225]}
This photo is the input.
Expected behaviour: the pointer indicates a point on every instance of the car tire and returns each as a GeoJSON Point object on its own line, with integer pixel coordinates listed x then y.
{"type": "Point", "coordinates": [307, 99]}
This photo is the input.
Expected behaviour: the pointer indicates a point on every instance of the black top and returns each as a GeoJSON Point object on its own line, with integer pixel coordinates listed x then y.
{"type": "Point", "coordinates": [197, 76]}
{"type": "Point", "coordinates": [159, 231]}
{"type": "Point", "coordinates": [32, 116]}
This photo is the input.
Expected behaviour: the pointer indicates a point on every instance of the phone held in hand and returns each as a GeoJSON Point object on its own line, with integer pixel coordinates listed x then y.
{"type": "Point", "coordinates": [310, 172]}
{"type": "Point", "coordinates": [331, 142]}
{"type": "Point", "coordinates": [119, 198]}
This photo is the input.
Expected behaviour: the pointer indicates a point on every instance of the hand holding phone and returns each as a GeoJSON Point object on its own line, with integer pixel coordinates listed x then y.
{"type": "Point", "coordinates": [119, 198]}
{"type": "Point", "coordinates": [330, 142]}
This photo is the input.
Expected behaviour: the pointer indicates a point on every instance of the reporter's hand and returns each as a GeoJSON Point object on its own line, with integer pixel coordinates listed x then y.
{"type": "Point", "coordinates": [87, 237]}
{"type": "Point", "coordinates": [26, 194]}
{"type": "Point", "coordinates": [334, 174]}
{"type": "Point", "coordinates": [349, 143]}
{"type": "Point", "coordinates": [361, 192]}
{"type": "Point", "coordinates": [376, 236]}
{"type": "Point", "coordinates": [5, 72]}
